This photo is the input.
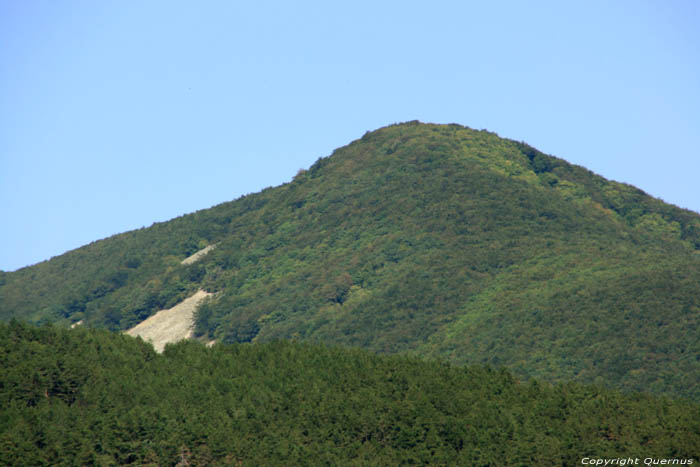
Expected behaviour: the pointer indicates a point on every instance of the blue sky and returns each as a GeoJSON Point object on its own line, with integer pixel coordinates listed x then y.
{"type": "Point", "coordinates": [115, 115]}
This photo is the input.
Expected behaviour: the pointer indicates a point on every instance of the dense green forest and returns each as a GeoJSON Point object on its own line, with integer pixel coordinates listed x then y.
{"type": "Point", "coordinates": [91, 397]}
{"type": "Point", "coordinates": [433, 240]}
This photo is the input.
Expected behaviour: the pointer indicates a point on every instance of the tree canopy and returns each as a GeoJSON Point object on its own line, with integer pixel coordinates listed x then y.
{"type": "Point", "coordinates": [91, 397]}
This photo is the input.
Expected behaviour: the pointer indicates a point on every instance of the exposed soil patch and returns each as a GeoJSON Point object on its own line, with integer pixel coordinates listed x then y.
{"type": "Point", "coordinates": [198, 255]}
{"type": "Point", "coordinates": [169, 325]}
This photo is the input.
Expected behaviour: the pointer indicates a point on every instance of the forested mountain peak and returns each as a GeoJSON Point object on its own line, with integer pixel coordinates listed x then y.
{"type": "Point", "coordinates": [437, 240]}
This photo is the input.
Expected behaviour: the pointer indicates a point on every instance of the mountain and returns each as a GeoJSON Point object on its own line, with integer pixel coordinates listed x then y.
{"type": "Point", "coordinates": [435, 240]}
{"type": "Point", "coordinates": [90, 397]}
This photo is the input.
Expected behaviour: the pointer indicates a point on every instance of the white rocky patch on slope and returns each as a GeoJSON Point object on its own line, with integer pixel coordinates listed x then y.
{"type": "Point", "coordinates": [171, 325]}
{"type": "Point", "coordinates": [198, 255]}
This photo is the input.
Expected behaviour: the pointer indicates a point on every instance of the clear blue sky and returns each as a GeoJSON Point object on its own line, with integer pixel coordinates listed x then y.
{"type": "Point", "coordinates": [117, 114]}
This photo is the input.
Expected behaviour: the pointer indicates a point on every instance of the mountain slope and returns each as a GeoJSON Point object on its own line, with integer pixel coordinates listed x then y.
{"type": "Point", "coordinates": [432, 239]}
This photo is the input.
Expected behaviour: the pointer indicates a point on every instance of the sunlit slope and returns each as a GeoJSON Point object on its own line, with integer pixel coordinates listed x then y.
{"type": "Point", "coordinates": [433, 239]}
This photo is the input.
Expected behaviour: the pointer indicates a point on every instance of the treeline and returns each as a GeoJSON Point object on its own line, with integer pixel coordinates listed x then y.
{"type": "Point", "coordinates": [90, 397]}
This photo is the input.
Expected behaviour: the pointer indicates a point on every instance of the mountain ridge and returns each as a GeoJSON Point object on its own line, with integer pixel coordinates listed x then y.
{"type": "Point", "coordinates": [436, 240]}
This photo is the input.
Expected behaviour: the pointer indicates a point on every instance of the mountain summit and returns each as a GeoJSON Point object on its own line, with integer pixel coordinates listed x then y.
{"type": "Point", "coordinates": [437, 240]}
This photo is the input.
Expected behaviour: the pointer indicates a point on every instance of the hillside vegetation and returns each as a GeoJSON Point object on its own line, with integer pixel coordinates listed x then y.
{"type": "Point", "coordinates": [89, 397]}
{"type": "Point", "coordinates": [436, 240]}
